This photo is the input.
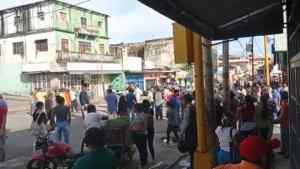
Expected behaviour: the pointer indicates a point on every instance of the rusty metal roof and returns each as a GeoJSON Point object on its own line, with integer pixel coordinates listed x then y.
{"type": "Point", "coordinates": [224, 19]}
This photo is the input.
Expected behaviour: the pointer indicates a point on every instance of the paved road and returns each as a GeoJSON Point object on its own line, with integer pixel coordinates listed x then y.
{"type": "Point", "coordinates": [19, 142]}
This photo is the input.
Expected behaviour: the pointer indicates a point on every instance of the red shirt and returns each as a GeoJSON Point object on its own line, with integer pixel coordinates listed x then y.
{"type": "Point", "coordinates": [3, 112]}
{"type": "Point", "coordinates": [284, 120]}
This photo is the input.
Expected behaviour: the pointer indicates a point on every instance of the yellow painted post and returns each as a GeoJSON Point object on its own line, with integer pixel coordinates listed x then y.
{"type": "Point", "coordinates": [267, 70]}
{"type": "Point", "coordinates": [202, 158]}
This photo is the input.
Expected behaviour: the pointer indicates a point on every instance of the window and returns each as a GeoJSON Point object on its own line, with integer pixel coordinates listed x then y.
{"type": "Point", "coordinates": [83, 22]}
{"type": "Point", "coordinates": [101, 49]}
{"type": "Point", "coordinates": [99, 24]}
{"type": "Point", "coordinates": [41, 45]}
{"type": "Point", "coordinates": [41, 15]}
{"type": "Point", "coordinates": [18, 48]}
{"type": "Point", "coordinates": [62, 17]}
{"type": "Point", "coordinates": [65, 45]}
{"type": "Point", "coordinates": [17, 20]}
{"type": "Point", "coordinates": [85, 47]}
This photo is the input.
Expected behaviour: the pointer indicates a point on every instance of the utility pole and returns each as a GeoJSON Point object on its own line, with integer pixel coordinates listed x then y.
{"type": "Point", "coordinates": [202, 157]}
{"type": "Point", "coordinates": [267, 71]}
{"type": "Point", "coordinates": [226, 75]}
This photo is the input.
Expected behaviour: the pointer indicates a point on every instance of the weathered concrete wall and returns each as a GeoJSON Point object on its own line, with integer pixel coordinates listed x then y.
{"type": "Point", "coordinates": [159, 53]}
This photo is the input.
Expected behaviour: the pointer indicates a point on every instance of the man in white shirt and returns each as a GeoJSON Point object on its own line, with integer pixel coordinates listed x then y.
{"type": "Point", "coordinates": [92, 119]}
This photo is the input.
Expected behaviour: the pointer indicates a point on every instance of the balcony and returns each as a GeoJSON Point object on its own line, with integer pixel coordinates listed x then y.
{"type": "Point", "coordinates": [63, 57]}
{"type": "Point", "coordinates": [88, 30]}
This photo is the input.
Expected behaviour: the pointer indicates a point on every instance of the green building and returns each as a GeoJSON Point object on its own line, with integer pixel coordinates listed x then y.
{"type": "Point", "coordinates": [52, 45]}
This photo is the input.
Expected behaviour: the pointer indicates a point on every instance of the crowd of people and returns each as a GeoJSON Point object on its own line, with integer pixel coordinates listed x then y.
{"type": "Point", "coordinates": [245, 129]}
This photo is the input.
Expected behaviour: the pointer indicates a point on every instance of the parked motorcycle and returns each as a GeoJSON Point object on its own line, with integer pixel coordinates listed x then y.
{"type": "Point", "coordinates": [51, 155]}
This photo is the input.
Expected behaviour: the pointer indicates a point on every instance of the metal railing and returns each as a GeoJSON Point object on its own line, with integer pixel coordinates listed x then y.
{"type": "Point", "coordinates": [71, 56]}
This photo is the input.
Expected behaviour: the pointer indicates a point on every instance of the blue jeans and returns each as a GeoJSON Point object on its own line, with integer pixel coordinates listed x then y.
{"type": "Point", "coordinates": [224, 157]}
{"type": "Point", "coordinates": [62, 129]}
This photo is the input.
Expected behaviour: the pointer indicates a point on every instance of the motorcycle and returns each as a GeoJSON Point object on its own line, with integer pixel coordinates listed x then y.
{"type": "Point", "coordinates": [51, 155]}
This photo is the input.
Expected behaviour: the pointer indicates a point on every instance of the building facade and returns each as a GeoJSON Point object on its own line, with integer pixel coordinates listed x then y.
{"type": "Point", "coordinates": [52, 44]}
{"type": "Point", "coordinates": [158, 61]}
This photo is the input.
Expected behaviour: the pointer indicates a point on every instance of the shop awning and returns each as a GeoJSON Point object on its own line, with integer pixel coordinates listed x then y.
{"type": "Point", "coordinates": [221, 19]}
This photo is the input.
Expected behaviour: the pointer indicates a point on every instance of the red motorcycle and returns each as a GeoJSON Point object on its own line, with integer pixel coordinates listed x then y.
{"type": "Point", "coordinates": [52, 155]}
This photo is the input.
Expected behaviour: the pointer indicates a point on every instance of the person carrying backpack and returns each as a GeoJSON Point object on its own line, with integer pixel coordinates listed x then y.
{"type": "Point", "coordinates": [39, 125]}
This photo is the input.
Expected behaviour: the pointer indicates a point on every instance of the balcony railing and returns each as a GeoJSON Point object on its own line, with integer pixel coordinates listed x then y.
{"type": "Point", "coordinates": [70, 56]}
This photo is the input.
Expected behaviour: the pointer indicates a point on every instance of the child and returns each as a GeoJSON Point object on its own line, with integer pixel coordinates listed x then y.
{"type": "Point", "coordinates": [253, 151]}
{"type": "Point", "coordinates": [39, 124]}
{"type": "Point", "coordinates": [225, 134]}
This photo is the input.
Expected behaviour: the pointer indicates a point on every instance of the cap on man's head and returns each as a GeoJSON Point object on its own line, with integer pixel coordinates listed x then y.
{"type": "Point", "coordinates": [253, 149]}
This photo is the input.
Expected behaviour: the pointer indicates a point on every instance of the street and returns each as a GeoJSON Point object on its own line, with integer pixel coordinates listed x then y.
{"type": "Point", "coordinates": [19, 142]}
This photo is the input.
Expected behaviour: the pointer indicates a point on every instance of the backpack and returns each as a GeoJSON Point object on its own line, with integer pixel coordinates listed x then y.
{"type": "Point", "coordinates": [35, 127]}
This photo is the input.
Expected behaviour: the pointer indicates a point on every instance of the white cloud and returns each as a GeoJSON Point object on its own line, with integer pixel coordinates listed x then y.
{"type": "Point", "coordinates": [139, 24]}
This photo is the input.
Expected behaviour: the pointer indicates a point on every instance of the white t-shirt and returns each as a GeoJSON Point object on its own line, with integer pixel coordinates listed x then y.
{"type": "Point", "coordinates": [158, 98]}
{"type": "Point", "coordinates": [225, 137]}
{"type": "Point", "coordinates": [92, 120]}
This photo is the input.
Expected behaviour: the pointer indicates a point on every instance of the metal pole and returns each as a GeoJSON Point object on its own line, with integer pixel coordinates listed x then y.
{"type": "Point", "coordinates": [209, 85]}
{"type": "Point", "coordinates": [202, 158]}
{"type": "Point", "coordinates": [267, 71]}
{"type": "Point", "coordinates": [226, 75]}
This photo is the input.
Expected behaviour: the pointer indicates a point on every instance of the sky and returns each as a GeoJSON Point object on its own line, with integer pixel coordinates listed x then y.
{"type": "Point", "coordinates": [131, 21]}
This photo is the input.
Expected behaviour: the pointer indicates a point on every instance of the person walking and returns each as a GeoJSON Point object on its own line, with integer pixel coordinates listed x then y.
{"type": "Point", "coordinates": [112, 102]}
{"type": "Point", "coordinates": [73, 98]}
{"type": "Point", "coordinates": [84, 99]}
{"type": "Point", "coordinates": [49, 105]}
{"type": "Point", "coordinates": [284, 124]}
{"type": "Point", "coordinates": [3, 118]}
{"type": "Point", "coordinates": [63, 120]}
{"type": "Point", "coordinates": [148, 110]}
{"type": "Point", "coordinates": [173, 121]}
{"type": "Point", "coordinates": [158, 103]}
{"type": "Point", "coordinates": [131, 100]}
{"type": "Point", "coordinates": [122, 106]}
{"type": "Point", "coordinates": [138, 128]}
{"type": "Point", "coordinates": [264, 117]}
{"type": "Point", "coordinates": [39, 125]}
{"type": "Point", "coordinates": [189, 126]}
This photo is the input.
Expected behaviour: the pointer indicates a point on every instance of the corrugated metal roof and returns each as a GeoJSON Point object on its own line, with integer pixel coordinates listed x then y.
{"type": "Point", "coordinates": [216, 19]}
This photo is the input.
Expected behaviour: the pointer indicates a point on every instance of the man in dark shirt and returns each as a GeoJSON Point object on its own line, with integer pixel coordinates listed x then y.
{"type": "Point", "coordinates": [131, 100]}
{"type": "Point", "coordinates": [84, 99]}
{"type": "Point", "coordinates": [63, 120]}
{"type": "Point", "coordinates": [98, 157]}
